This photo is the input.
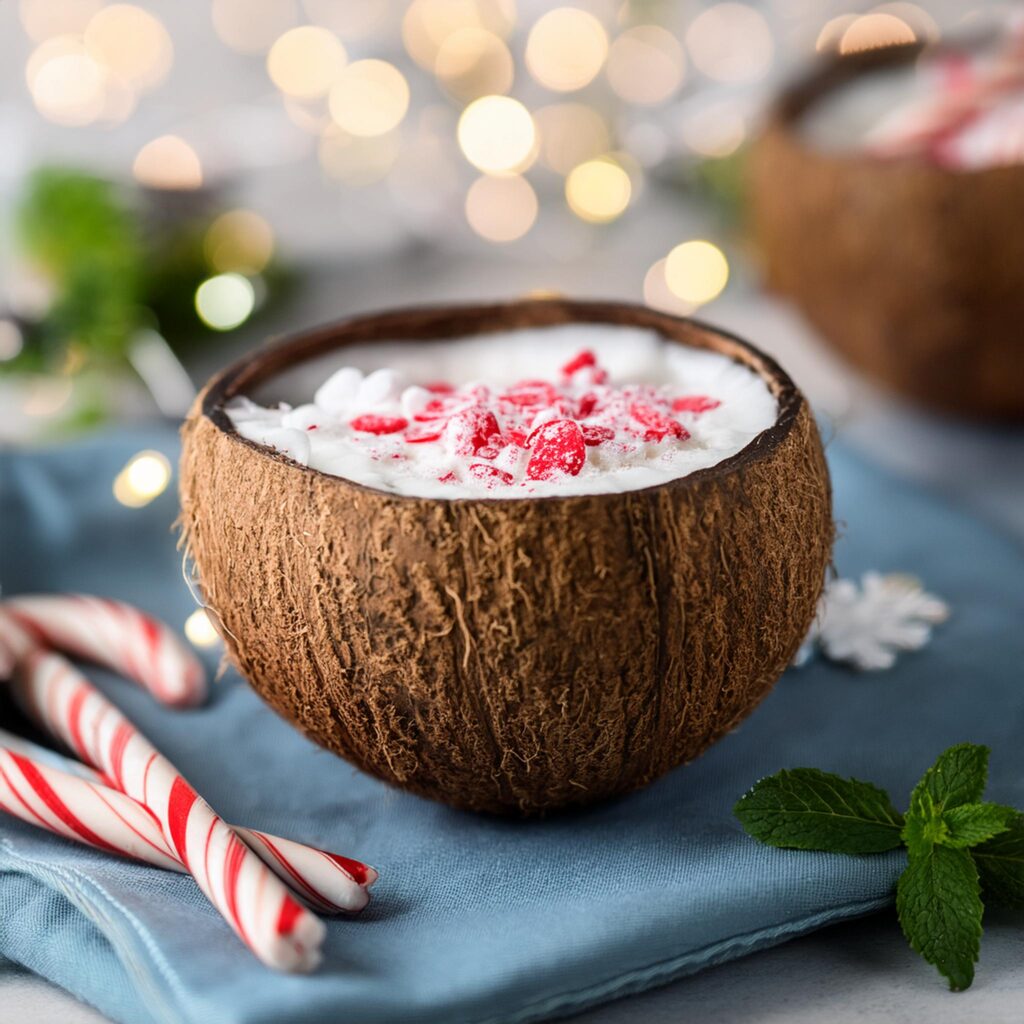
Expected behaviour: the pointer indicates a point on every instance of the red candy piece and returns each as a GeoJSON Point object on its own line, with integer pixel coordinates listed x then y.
{"type": "Point", "coordinates": [422, 435]}
{"type": "Point", "coordinates": [531, 393]}
{"type": "Point", "coordinates": [695, 403]}
{"type": "Point", "coordinates": [593, 436]}
{"type": "Point", "coordinates": [490, 473]}
{"type": "Point", "coordinates": [439, 387]}
{"type": "Point", "coordinates": [558, 449]}
{"type": "Point", "coordinates": [659, 425]}
{"type": "Point", "coordinates": [518, 438]}
{"type": "Point", "coordinates": [578, 362]}
{"type": "Point", "coordinates": [370, 424]}
{"type": "Point", "coordinates": [587, 405]}
{"type": "Point", "coordinates": [471, 430]}
{"type": "Point", "coordinates": [435, 409]}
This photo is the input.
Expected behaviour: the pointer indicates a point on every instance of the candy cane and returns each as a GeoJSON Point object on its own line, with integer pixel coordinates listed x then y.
{"type": "Point", "coordinates": [325, 881]}
{"type": "Point", "coordinates": [253, 901]}
{"type": "Point", "coordinates": [116, 635]}
{"type": "Point", "coordinates": [86, 812]}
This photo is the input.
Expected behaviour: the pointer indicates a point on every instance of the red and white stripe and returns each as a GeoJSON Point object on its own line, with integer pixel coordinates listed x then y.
{"type": "Point", "coordinates": [254, 902]}
{"type": "Point", "coordinates": [117, 636]}
{"type": "Point", "coordinates": [86, 812]}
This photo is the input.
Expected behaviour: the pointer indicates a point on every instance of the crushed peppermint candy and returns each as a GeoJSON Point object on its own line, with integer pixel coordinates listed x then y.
{"type": "Point", "coordinates": [573, 426]}
{"type": "Point", "coordinates": [959, 108]}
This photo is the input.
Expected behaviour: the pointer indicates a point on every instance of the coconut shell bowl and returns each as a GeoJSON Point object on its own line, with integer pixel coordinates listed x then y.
{"type": "Point", "coordinates": [913, 271]}
{"type": "Point", "coordinates": [508, 655]}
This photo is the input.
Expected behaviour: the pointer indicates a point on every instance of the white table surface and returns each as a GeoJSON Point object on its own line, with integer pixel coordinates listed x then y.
{"type": "Point", "coordinates": [859, 972]}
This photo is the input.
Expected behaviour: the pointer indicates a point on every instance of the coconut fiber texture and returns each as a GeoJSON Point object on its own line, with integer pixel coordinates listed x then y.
{"type": "Point", "coordinates": [914, 272]}
{"type": "Point", "coordinates": [480, 919]}
{"type": "Point", "coordinates": [509, 655]}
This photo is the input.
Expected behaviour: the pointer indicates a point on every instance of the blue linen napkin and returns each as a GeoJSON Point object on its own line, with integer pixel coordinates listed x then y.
{"type": "Point", "coordinates": [476, 919]}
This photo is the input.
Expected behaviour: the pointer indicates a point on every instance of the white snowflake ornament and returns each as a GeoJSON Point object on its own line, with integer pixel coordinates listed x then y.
{"type": "Point", "coordinates": [866, 625]}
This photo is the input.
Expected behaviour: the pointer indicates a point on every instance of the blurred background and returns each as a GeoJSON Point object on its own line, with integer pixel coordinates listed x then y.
{"type": "Point", "coordinates": [179, 182]}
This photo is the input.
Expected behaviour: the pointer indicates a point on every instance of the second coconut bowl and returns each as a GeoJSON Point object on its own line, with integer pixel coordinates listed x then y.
{"type": "Point", "coordinates": [913, 271]}
{"type": "Point", "coordinates": [509, 655]}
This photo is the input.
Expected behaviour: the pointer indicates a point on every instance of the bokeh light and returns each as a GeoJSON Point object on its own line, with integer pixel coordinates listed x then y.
{"type": "Point", "coordinates": [66, 83]}
{"type": "Point", "coordinates": [646, 65]}
{"type": "Point", "coordinates": [598, 190]}
{"type": "Point", "coordinates": [428, 24]}
{"type": "Point", "coordinates": [168, 162]}
{"type": "Point", "coordinates": [501, 209]}
{"type": "Point", "coordinates": [731, 42]}
{"type": "Point", "coordinates": [305, 61]}
{"type": "Point", "coordinates": [714, 130]}
{"type": "Point", "coordinates": [696, 271]}
{"type": "Point", "coordinates": [832, 32]}
{"type": "Point", "coordinates": [370, 97]}
{"type": "Point", "coordinates": [875, 31]}
{"type": "Point", "coordinates": [11, 340]}
{"type": "Point", "coordinates": [570, 133]}
{"type": "Point", "coordinates": [130, 43]}
{"type": "Point", "coordinates": [351, 19]}
{"type": "Point", "coordinates": [239, 240]}
{"type": "Point", "coordinates": [566, 49]}
{"type": "Point", "coordinates": [44, 19]}
{"type": "Point", "coordinates": [658, 295]}
{"type": "Point", "coordinates": [357, 160]}
{"type": "Point", "coordinates": [225, 301]}
{"type": "Point", "coordinates": [251, 26]}
{"type": "Point", "coordinates": [497, 135]}
{"type": "Point", "coordinates": [200, 630]}
{"type": "Point", "coordinates": [474, 62]}
{"type": "Point", "coordinates": [144, 477]}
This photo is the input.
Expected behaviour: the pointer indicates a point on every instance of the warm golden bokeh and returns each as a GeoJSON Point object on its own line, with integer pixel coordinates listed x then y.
{"type": "Point", "coordinates": [646, 65]}
{"type": "Point", "coordinates": [874, 31]}
{"type": "Point", "coordinates": [696, 271]}
{"type": "Point", "coordinates": [501, 209]}
{"type": "Point", "coordinates": [239, 240]}
{"type": "Point", "coordinates": [130, 43]}
{"type": "Point", "coordinates": [570, 133]}
{"type": "Point", "coordinates": [566, 49]}
{"type": "Point", "coordinates": [497, 135]}
{"type": "Point", "coordinates": [168, 162]}
{"type": "Point", "coordinates": [144, 477]}
{"type": "Point", "coordinates": [474, 62]}
{"type": "Point", "coordinates": [598, 190]}
{"type": "Point", "coordinates": [305, 61]}
{"type": "Point", "coordinates": [731, 42]}
{"type": "Point", "coordinates": [369, 97]}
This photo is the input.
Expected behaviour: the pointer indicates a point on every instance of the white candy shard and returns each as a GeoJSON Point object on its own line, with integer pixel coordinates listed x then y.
{"type": "Point", "coordinates": [414, 401]}
{"type": "Point", "coordinates": [378, 388]}
{"type": "Point", "coordinates": [303, 417]}
{"type": "Point", "coordinates": [339, 391]}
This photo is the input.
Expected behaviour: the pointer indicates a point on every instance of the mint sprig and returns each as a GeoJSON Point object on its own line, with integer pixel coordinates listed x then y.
{"type": "Point", "coordinates": [959, 847]}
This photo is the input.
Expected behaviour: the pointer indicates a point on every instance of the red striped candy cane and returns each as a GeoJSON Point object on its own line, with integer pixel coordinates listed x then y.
{"type": "Point", "coordinates": [327, 882]}
{"type": "Point", "coordinates": [116, 635]}
{"type": "Point", "coordinates": [254, 902]}
{"type": "Point", "coordinates": [86, 812]}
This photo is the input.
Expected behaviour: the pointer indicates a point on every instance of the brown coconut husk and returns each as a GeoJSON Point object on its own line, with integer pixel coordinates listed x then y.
{"type": "Point", "coordinates": [912, 271]}
{"type": "Point", "coordinates": [509, 655]}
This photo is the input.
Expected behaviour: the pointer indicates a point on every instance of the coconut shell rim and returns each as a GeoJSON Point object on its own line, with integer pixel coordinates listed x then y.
{"type": "Point", "coordinates": [270, 358]}
{"type": "Point", "coordinates": [834, 71]}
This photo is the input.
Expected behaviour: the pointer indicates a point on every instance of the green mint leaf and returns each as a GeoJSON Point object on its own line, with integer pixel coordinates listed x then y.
{"type": "Point", "coordinates": [807, 809]}
{"type": "Point", "coordinates": [1000, 864]}
{"type": "Point", "coordinates": [970, 824]}
{"type": "Point", "coordinates": [938, 900]}
{"type": "Point", "coordinates": [925, 825]}
{"type": "Point", "coordinates": [957, 777]}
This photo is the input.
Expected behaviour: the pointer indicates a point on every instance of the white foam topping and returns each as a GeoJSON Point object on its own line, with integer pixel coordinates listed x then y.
{"type": "Point", "coordinates": [573, 409]}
